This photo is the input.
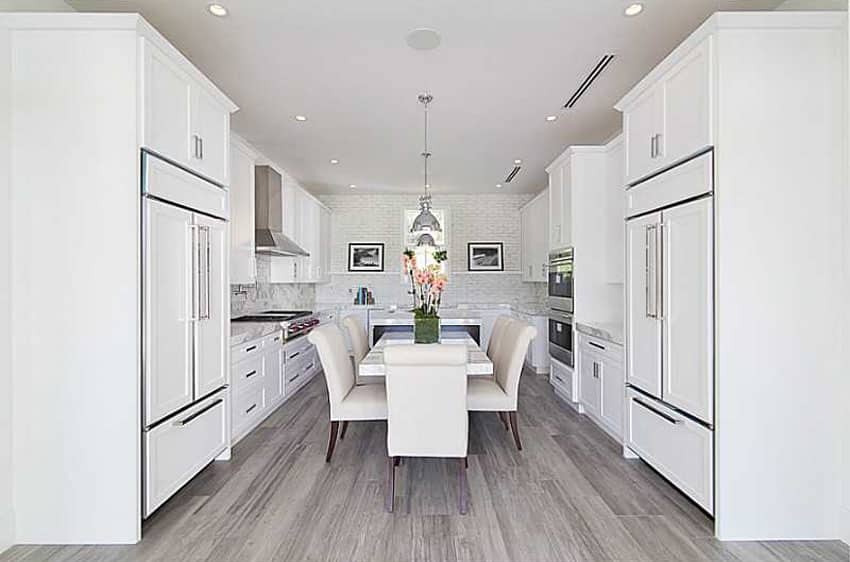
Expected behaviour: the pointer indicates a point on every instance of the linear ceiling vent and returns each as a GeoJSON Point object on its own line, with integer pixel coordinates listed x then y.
{"type": "Point", "coordinates": [594, 74]}
{"type": "Point", "coordinates": [513, 174]}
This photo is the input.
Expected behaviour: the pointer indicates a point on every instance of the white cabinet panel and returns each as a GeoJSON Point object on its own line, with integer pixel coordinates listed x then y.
{"type": "Point", "coordinates": [642, 123]}
{"type": "Point", "coordinates": [166, 107]}
{"type": "Point", "coordinates": [555, 206]}
{"type": "Point", "coordinates": [564, 380]}
{"type": "Point", "coordinates": [687, 308]}
{"type": "Point", "coordinates": [248, 409]}
{"type": "Point", "coordinates": [689, 180]}
{"type": "Point", "coordinates": [283, 269]}
{"type": "Point", "coordinates": [589, 386]}
{"type": "Point", "coordinates": [243, 263]}
{"type": "Point", "coordinates": [643, 327]}
{"type": "Point", "coordinates": [177, 450]}
{"type": "Point", "coordinates": [211, 125]}
{"type": "Point", "coordinates": [612, 396]}
{"type": "Point", "coordinates": [212, 328]}
{"type": "Point", "coordinates": [169, 308]}
{"type": "Point", "coordinates": [273, 377]}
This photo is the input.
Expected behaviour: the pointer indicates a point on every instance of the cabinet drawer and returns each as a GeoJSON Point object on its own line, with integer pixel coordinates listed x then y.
{"type": "Point", "coordinates": [563, 378]}
{"type": "Point", "coordinates": [248, 372]}
{"type": "Point", "coordinates": [678, 448]}
{"type": "Point", "coordinates": [604, 350]}
{"type": "Point", "coordinates": [691, 179]}
{"type": "Point", "coordinates": [176, 450]}
{"type": "Point", "coordinates": [247, 407]}
{"type": "Point", "coordinates": [297, 372]}
{"type": "Point", "coordinates": [296, 350]}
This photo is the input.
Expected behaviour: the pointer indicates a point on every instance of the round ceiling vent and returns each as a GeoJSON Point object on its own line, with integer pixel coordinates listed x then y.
{"type": "Point", "coordinates": [423, 39]}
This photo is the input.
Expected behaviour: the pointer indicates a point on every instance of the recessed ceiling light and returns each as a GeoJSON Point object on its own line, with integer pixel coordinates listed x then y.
{"type": "Point", "coordinates": [498, 185]}
{"type": "Point", "coordinates": [334, 161]}
{"type": "Point", "coordinates": [423, 39]}
{"type": "Point", "coordinates": [517, 162]}
{"type": "Point", "coordinates": [217, 10]}
{"type": "Point", "coordinates": [300, 117]}
{"type": "Point", "coordinates": [353, 186]}
{"type": "Point", "coordinates": [551, 118]}
{"type": "Point", "coordinates": [633, 9]}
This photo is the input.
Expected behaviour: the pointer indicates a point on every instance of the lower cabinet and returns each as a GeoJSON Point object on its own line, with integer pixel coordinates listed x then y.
{"type": "Point", "coordinates": [601, 382]}
{"type": "Point", "coordinates": [677, 447]}
{"type": "Point", "coordinates": [563, 380]}
{"type": "Point", "coordinates": [176, 450]}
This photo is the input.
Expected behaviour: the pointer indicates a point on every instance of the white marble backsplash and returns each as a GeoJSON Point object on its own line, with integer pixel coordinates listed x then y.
{"type": "Point", "coordinates": [268, 296]}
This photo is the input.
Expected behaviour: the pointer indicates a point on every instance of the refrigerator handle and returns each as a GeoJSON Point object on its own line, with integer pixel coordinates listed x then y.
{"type": "Point", "coordinates": [651, 262]}
{"type": "Point", "coordinates": [196, 271]}
{"type": "Point", "coordinates": [207, 275]}
{"type": "Point", "coordinates": [659, 277]}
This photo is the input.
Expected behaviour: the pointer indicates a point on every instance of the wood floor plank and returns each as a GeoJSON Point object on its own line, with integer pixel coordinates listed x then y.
{"type": "Point", "coordinates": [567, 496]}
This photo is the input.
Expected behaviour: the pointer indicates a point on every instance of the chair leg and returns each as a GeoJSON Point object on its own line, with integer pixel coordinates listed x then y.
{"type": "Point", "coordinates": [504, 420]}
{"type": "Point", "coordinates": [396, 461]}
{"type": "Point", "coordinates": [390, 492]}
{"type": "Point", "coordinates": [344, 427]}
{"type": "Point", "coordinates": [463, 488]}
{"type": "Point", "coordinates": [515, 429]}
{"type": "Point", "coordinates": [332, 440]}
{"type": "Point", "coordinates": [465, 462]}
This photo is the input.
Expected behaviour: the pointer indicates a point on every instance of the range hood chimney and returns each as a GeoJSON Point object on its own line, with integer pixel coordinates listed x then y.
{"type": "Point", "coordinates": [268, 216]}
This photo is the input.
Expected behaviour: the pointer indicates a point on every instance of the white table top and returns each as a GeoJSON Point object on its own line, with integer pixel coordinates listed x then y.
{"type": "Point", "coordinates": [477, 363]}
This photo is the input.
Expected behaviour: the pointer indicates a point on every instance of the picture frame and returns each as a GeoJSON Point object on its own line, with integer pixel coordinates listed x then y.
{"type": "Point", "coordinates": [366, 257]}
{"type": "Point", "coordinates": [485, 256]}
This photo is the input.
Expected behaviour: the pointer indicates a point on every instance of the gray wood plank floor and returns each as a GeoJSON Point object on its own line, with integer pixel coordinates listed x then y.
{"type": "Point", "coordinates": [568, 496]}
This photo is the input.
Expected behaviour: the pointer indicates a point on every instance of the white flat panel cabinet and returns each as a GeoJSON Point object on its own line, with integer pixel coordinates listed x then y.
{"type": "Point", "coordinates": [284, 269]}
{"type": "Point", "coordinates": [560, 203]}
{"type": "Point", "coordinates": [687, 308]}
{"type": "Point", "coordinates": [671, 120]}
{"type": "Point", "coordinates": [534, 218]}
{"type": "Point", "coordinates": [212, 327]}
{"type": "Point", "coordinates": [602, 382]}
{"type": "Point", "coordinates": [643, 286]}
{"type": "Point", "coordinates": [183, 122]}
{"type": "Point", "coordinates": [243, 261]}
{"type": "Point", "coordinates": [590, 384]}
{"type": "Point", "coordinates": [169, 279]}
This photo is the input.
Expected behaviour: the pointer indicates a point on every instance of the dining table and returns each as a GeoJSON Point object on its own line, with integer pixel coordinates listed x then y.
{"type": "Point", "coordinates": [477, 362]}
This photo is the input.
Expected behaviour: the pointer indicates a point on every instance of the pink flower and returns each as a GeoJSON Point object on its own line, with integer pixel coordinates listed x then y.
{"type": "Point", "coordinates": [421, 276]}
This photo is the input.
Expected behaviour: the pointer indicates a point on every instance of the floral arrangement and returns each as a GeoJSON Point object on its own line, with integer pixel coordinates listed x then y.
{"type": "Point", "coordinates": [426, 283]}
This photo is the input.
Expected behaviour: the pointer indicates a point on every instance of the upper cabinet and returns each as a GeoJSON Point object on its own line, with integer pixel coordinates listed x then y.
{"type": "Point", "coordinates": [534, 217]}
{"type": "Point", "coordinates": [185, 119]}
{"type": "Point", "coordinates": [670, 119]}
{"type": "Point", "coordinates": [243, 265]}
{"type": "Point", "coordinates": [560, 203]}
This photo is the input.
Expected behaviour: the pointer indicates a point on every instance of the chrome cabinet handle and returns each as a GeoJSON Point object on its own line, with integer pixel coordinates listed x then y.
{"type": "Point", "coordinates": [667, 417]}
{"type": "Point", "coordinates": [652, 147]}
{"type": "Point", "coordinates": [651, 289]}
{"type": "Point", "coordinates": [658, 151]}
{"type": "Point", "coordinates": [181, 423]}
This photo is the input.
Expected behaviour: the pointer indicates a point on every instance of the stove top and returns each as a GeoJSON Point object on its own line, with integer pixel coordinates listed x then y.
{"type": "Point", "coordinates": [274, 316]}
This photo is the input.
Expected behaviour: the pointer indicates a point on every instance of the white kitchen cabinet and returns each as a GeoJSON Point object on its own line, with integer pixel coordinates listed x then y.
{"type": "Point", "coordinates": [284, 269]}
{"type": "Point", "coordinates": [307, 223]}
{"type": "Point", "coordinates": [560, 202]}
{"type": "Point", "coordinates": [274, 374]}
{"type": "Point", "coordinates": [565, 382]}
{"type": "Point", "coordinates": [290, 201]}
{"type": "Point", "coordinates": [687, 307]}
{"type": "Point", "coordinates": [243, 261]}
{"type": "Point", "coordinates": [183, 120]}
{"type": "Point", "coordinates": [590, 385]}
{"type": "Point", "coordinates": [168, 328]}
{"type": "Point", "coordinates": [211, 328]}
{"type": "Point", "coordinates": [534, 257]}
{"type": "Point", "coordinates": [602, 382]}
{"type": "Point", "coordinates": [672, 120]}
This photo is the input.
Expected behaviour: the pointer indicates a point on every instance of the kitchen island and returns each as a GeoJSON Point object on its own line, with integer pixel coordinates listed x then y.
{"type": "Point", "coordinates": [401, 321]}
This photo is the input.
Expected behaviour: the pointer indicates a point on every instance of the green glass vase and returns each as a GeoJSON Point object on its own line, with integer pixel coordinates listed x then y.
{"type": "Point", "coordinates": [426, 329]}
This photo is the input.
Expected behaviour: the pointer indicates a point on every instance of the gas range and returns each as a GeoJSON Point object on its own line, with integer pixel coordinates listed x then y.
{"type": "Point", "coordinates": [293, 322]}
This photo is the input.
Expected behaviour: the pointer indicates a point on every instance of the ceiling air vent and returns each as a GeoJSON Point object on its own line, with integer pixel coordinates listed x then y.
{"type": "Point", "coordinates": [513, 173]}
{"type": "Point", "coordinates": [594, 74]}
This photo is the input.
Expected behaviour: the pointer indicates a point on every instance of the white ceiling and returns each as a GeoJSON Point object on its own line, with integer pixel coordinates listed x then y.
{"type": "Point", "coordinates": [502, 67]}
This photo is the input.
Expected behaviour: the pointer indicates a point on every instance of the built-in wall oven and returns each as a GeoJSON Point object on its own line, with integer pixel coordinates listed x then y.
{"type": "Point", "coordinates": [561, 280]}
{"type": "Point", "coordinates": [561, 336]}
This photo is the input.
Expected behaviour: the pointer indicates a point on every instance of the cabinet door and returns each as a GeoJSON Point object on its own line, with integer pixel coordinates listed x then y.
{"type": "Point", "coordinates": [243, 266]}
{"type": "Point", "coordinates": [566, 207]}
{"type": "Point", "coordinates": [168, 309]}
{"type": "Point", "coordinates": [211, 329]}
{"type": "Point", "coordinates": [555, 207]}
{"type": "Point", "coordinates": [283, 269]}
{"type": "Point", "coordinates": [588, 387]}
{"type": "Point", "coordinates": [290, 208]}
{"type": "Point", "coordinates": [643, 326]}
{"type": "Point", "coordinates": [166, 107]}
{"type": "Point", "coordinates": [306, 230]}
{"type": "Point", "coordinates": [687, 308]}
{"type": "Point", "coordinates": [211, 126]}
{"type": "Point", "coordinates": [687, 106]}
{"type": "Point", "coordinates": [642, 122]}
{"type": "Point", "coordinates": [612, 395]}
{"type": "Point", "coordinates": [274, 375]}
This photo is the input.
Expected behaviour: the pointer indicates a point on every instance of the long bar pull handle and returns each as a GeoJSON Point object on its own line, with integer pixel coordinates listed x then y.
{"type": "Point", "coordinates": [196, 272]}
{"type": "Point", "coordinates": [199, 413]}
{"type": "Point", "coordinates": [207, 273]}
{"type": "Point", "coordinates": [596, 345]}
{"type": "Point", "coordinates": [659, 276]}
{"type": "Point", "coordinates": [658, 412]}
{"type": "Point", "coordinates": [650, 262]}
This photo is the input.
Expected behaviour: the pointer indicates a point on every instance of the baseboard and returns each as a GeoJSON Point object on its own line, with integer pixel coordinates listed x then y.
{"type": "Point", "coordinates": [6, 530]}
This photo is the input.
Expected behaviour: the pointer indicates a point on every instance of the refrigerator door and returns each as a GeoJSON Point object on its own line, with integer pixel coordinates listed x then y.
{"type": "Point", "coordinates": [643, 319]}
{"type": "Point", "coordinates": [169, 307]}
{"type": "Point", "coordinates": [212, 327]}
{"type": "Point", "coordinates": [687, 308]}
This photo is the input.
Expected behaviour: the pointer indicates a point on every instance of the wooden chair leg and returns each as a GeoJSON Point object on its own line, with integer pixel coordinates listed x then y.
{"type": "Point", "coordinates": [396, 461]}
{"type": "Point", "coordinates": [463, 488]}
{"type": "Point", "coordinates": [504, 420]}
{"type": "Point", "coordinates": [390, 492]}
{"type": "Point", "coordinates": [465, 462]}
{"type": "Point", "coordinates": [344, 427]}
{"type": "Point", "coordinates": [515, 429]}
{"type": "Point", "coordinates": [332, 440]}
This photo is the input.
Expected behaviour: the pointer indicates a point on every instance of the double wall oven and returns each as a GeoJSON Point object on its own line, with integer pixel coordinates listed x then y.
{"type": "Point", "coordinates": [561, 306]}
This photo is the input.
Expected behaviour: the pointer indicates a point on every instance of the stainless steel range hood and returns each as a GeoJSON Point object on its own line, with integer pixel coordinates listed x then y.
{"type": "Point", "coordinates": [268, 216]}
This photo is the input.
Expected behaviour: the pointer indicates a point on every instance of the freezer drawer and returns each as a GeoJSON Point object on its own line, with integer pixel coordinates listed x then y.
{"type": "Point", "coordinates": [178, 448]}
{"type": "Point", "coordinates": [680, 449]}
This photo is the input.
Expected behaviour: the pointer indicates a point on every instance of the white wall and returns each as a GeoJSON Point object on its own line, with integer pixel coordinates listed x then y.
{"type": "Point", "coordinates": [6, 511]}
{"type": "Point", "coordinates": [802, 5]}
{"type": "Point", "coordinates": [377, 217]}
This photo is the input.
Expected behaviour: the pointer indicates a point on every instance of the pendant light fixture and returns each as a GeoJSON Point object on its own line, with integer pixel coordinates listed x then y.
{"type": "Point", "coordinates": [425, 220]}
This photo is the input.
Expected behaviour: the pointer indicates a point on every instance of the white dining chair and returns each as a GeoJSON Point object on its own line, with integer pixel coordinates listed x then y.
{"type": "Point", "coordinates": [500, 393]}
{"type": "Point", "coordinates": [496, 334]}
{"type": "Point", "coordinates": [359, 347]}
{"type": "Point", "coordinates": [348, 402]}
{"type": "Point", "coordinates": [427, 416]}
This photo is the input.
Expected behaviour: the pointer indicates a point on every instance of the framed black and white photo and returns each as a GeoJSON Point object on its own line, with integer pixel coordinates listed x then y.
{"type": "Point", "coordinates": [485, 256]}
{"type": "Point", "coordinates": [366, 256]}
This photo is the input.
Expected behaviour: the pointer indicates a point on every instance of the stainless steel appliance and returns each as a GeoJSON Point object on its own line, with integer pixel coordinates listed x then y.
{"type": "Point", "coordinates": [561, 337]}
{"type": "Point", "coordinates": [268, 216]}
{"type": "Point", "coordinates": [293, 322]}
{"type": "Point", "coordinates": [561, 280]}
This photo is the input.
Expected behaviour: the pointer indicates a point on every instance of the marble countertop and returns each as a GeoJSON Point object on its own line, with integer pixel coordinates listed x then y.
{"type": "Point", "coordinates": [532, 309]}
{"type": "Point", "coordinates": [447, 317]}
{"type": "Point", "coordinates": [243, 332]}
{"type": "Point", "coordinates": [610, 331]}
